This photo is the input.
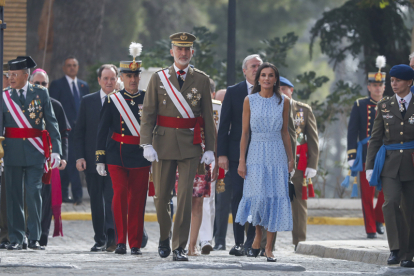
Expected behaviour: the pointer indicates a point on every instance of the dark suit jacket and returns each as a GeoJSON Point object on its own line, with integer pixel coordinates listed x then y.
{"type": "Point", "coordinates": [230, 129]}
{"type": "Point", "coordinates": [86, 130]}
{"type": "Point", "coordinates": [60, 90]}
{"type": "Point", "coordinates": [64, 126]}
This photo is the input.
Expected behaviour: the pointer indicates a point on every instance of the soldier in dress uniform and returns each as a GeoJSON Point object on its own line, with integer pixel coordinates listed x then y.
{"type": "Point", "coordinates": [178, 104]}
{"type": "Point", "coordinates": [390, 166]}
{"type": "Point", "coordinates": [307, 150]}
{"type": "Point", "coordinates": [359, 131]}
{"type": "Point", "coordinates": [32, 146]}
{"type": "Point", "coordinates": [121, 115]}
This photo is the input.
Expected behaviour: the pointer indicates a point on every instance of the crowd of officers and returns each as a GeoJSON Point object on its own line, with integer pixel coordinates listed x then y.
{"type": "Point", "coordinates": [126, 140]}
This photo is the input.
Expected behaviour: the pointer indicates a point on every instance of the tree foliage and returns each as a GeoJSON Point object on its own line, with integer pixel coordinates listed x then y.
{"type": "Point", "coordinates": [369, 27]}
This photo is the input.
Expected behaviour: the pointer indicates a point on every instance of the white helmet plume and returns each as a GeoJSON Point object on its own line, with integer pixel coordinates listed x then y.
{"type": "Point", "coordinates": [380, 62]}
{"type": "Point", "coordinates": [135, 49]}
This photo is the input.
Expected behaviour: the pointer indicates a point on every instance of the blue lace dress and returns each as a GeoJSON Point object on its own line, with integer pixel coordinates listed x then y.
{"type": "Point", "coordinates": [265, 199]}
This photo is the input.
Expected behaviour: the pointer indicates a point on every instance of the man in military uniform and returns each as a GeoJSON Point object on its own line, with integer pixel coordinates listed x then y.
{"type": "Point", "coordinates": [177, 103]}
{"type": "Point", "coordinates": [389, 163]}
{"type": "Point", "coordinates": [359, 131]}
{"type": "Point", "coordinates": [121, 116]}
{"type": "Point", "coordinates": [27, 146]}
{"type": "Point", "coordinates": [307, 159]}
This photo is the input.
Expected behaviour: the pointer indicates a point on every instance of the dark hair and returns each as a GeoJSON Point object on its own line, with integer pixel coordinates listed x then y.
{"type": "Point", "coordinates": [276, 88]}
{"type": "Point", "coordinates": [212, 86]}
{"type": "Point", "coordinates": [107, 66]}
{"type": "Point", "coordinates": [70, 57]}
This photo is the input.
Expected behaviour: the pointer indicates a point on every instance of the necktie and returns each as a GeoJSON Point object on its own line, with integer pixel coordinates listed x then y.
{"type": "Point", "coordinates": [181, 73]}
{"type": "Point", "coordinates": [76, 96]}
{"type": "Point", "coordinates": [402, 108]}
{"type": "Point", "coordinates": [21, 97]}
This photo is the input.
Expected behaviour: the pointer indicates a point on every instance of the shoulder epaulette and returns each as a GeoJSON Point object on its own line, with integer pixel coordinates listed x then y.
{"type": "Point", "coordinates": [303, 104]}
{"type": "Point", "coordinates": [39, 86]}
{"type": "Point", "coordinates": [201, 72]}
{"type": "Point", "coordinates": [386, 98]}
{"type": "Point", "coordinates": [160, 70]}
{"type": "Point", "coordinates": [144, 90]}
{"type": "Point", "coordinates": [216, 101]}
{"type": "Point", "coordinates": [357, 101]}
{"type": "Point", "coordinates": [4, 89]}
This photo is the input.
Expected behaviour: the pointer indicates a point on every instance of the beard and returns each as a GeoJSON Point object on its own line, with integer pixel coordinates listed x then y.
{"type": "Point", "coordinates": [183, 62]}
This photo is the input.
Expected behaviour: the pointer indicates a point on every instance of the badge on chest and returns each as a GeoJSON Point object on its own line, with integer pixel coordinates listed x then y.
{"type": "Point", "coordinates": [411, 119]}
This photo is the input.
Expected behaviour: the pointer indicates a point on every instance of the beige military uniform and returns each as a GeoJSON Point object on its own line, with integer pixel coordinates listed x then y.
{"type": "Point", "coordinates": [398, 172]}
{"type": "Point", "coordinates": [175, 147]}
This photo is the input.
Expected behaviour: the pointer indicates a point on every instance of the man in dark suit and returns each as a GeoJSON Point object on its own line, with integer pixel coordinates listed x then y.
{"type": "Point", "coordinates": [228, 146]}
{"type": "Point", "coordinates": [69, 90]}
{"type": "Point", "coordinates": [99, 187]}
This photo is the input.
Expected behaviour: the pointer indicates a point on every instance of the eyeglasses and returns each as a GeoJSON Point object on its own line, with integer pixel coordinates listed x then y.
{"type": "Point", "coordinates": [43, 83]}
{"type": "Point", "coordinates": [15, 75]}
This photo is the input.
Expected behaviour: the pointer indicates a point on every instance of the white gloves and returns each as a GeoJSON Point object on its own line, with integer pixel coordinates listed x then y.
{"type": "Point", "coordinates": [150, 154]}
{"type": "Point", "coordinates": [100, 168]}
{"type": "Point", "coordinates": [54, 160]}
{"type": "Point", "coordinates": [369, 175]}
{"type": "Point", "coordinates": [309, 173]}
{"type": "Point", "coordinates": [351, 162]}
{"type": "Point", "coordinates": [208, 157]}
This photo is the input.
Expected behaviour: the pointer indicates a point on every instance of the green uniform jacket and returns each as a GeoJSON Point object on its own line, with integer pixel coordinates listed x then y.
{"type": "Point", "coordinates": [172, 143]}
{"type": "Point", "coordinates": [391, 128]}
{"type": "Point", "coordinates": [306, 130]}
{"type": "Point", "coordinates": [20, 152]}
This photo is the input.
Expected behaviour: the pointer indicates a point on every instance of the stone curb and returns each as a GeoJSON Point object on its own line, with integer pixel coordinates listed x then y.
{"type": "Point", "coordinates": [237, 265]}
{"type": "Point", "coordinates": [328, 249]}
{"type": "Point", "coordinates": [152, 217]}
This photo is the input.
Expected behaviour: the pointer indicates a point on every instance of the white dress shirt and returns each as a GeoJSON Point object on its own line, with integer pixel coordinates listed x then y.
{"type": "Point", "coordinates": [103, 95]}
{"type": "Point", "coordinates": [249, 87]}
{"type": "Point", "coordinates": [178, 69]}
{"type": "Point", "coordinates": [406, 98]}
{"type": "Point", "coordinates": [70, 81]}
{"type": "Point", "coordinates": [25, 90]}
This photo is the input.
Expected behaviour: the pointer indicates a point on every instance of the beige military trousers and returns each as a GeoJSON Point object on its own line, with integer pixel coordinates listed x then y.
{"type": "Point", "coordinates": [164, 172]}
{"type": "Point", "coordinates": [299, 214]}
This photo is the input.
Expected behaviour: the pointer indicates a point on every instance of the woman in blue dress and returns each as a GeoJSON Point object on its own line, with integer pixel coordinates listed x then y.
{"type": "Point", "coordinates": [265, 201]}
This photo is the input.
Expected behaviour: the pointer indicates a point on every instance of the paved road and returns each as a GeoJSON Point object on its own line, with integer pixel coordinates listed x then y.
{"type": "Point", "coordinates": [69, 255]}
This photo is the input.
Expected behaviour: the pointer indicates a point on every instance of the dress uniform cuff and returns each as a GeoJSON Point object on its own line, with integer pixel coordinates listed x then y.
{"type": "Point", "coordinates": [100, 156]}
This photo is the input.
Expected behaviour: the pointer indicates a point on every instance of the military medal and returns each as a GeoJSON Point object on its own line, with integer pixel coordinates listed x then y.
{"type": "Point", "coordinates": [140, 110]}
{"type": "Point", "coordinates": [32, 115]}
{"type": "Point", "coordinates": [164, 102]}
{"type": "Point", "coordinates": [194, 102]}
{"type": "Point", "coordinates": [402, 107]}
{"type": "Point", "coordinates": [387, 116]}
{"type": "Point", "coordinates": [162, 87]}
{"type": "Point", "coordinates": [194, 90]}
{"type": "Point", "coordinates": [37, 121]}
{"type": "Point", "coordinates": [411, 119]}
{"type": "Point", "coordinates": [40, 114]}
{"type": "Point", "coordinates": [132, 102]}
{"type": "Point", "coordinates": [198, 96]}
{"type": "Point", "coordinates": [384, 105]}
{"type": "Point", "coordinates": [385, 110]}
{"type": "Point", "coordinates": [189, 96]}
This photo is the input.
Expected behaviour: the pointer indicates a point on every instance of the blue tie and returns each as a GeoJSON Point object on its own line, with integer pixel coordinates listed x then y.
{"type": "Point", "coordinates": [76, 96]}
{"type": "Point", "coordinates": [21, 97]}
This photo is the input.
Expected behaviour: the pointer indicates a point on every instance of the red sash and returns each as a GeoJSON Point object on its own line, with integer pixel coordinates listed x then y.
{"type": "Point", "coordinates": [173, 122]}
{"type": "Point", "coordinates": [302, 151]}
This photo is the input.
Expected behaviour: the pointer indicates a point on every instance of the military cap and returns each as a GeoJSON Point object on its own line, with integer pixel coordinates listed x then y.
{"type": "Point", "coordinates": [285, 82]}
{"type": "Point", "coordinates": [133, 66]}
{"type": "Point", "coordinates": [183, 39]}
{"type": "Point", "coordinates": [5, 69]}
{"type": "Point", "coordinates": [378, 76]}
{"type": "Point", "coordinates": [402, 71]}
{"type": "Point", "coordinates": [21, 62]}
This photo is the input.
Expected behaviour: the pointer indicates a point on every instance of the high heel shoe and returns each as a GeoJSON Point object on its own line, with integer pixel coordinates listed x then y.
{"type": "Point", "coordinates": [255, 252]}
{"type": "Point", "coordinates": [270, 259]}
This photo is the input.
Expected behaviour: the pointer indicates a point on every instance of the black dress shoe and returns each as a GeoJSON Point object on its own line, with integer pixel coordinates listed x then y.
{"type": "Point", "coordinates": [24, 245]}
{"type": "Point", "coordinates": [136, 251]}
{"type": "Point", "coordinates": [110, 245]}
{"type": "Point", "coordinates": [380, 228]}
{"type": "Point", "coordinates": [179, 255]}
{"type": "Point", "coordinates": [14, 246]}
{"type": "Point", "coordinates": [219, 247]}
{"type": "Point", "coordinates": [262, 253]}
{"type": "Point", "coordinates": [120, 248]}
{"type": "Point", "coordinates": [77, 202]}
{"type": "Point", "coordinates": [4, 244]}
{"type": "Point", "coordinates": [144, 239]}
{"type": "Point", "coordinates": [393, 258]}
{"type": "Point", "coordinates": [407, 263]}
{"type": "Point", "coordinates": [67, 199]}
{"type": "Point", "coordinates": [97, 247]}
{"type": "Point", "coordinates": [164, 249]}
{"type": "Point", "coordinates": [371, 235]}
{"type": "Point", "coordinates": [35, 245]}
{"type": "Point", "coordinates": [254, 252]}
{"type": "Point", "coordinates": [237, 250]}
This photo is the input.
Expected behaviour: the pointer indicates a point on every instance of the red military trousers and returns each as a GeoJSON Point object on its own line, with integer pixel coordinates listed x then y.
{"type": "Point", "coordinates": [371, 214]}
{"type": "Point", "coordinates": [128, 204]}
